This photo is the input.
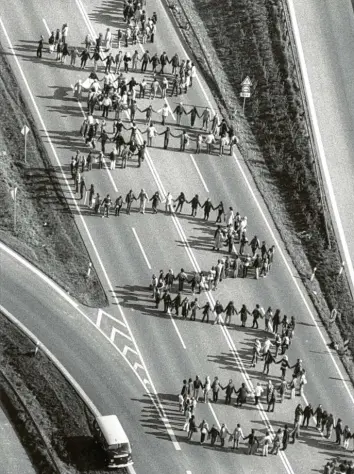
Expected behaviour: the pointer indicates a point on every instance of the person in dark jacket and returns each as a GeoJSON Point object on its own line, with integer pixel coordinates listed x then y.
{"type": "Point", "coordinates": [308, 412]}
{"type": "Point", "coordinates": [40, 47]}
{"type": "Point", "coordinates": [181, 200]}
{"type": "Point", "coordinates": [176, 303]}
{"type": "Point", "coordinates": [229, 389]}
{"type": "Point", "coordinates": [285, 439]}
{"type": "Point", "coordinates": [206, 311]}
{"type": "Point", "coordinates": [207, 206]}
{"type": "Point", "coordinates": [318, 414]}
{"type": "Point", "coordinates": [253, 442]}
{"type": "Point", "coordinates": [241, 393]}
{"type": "Point", "coordinates": [214, 433]}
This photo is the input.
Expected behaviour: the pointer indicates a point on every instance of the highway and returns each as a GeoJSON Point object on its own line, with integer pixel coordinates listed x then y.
{"type": "Point", "coordinates": [149, 353]}
{"type": "Point", "coordinates": [326, 33]}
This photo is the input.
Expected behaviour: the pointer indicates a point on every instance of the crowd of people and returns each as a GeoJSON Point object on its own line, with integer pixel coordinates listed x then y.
{"type": "Point", "coordinates": [194, 391]}
{"type": "Point", "coordinates": [120, 95]}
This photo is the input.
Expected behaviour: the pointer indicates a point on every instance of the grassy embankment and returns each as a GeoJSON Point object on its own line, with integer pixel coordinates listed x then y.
{"type": "Point", "coordinates": [61, 416]}
{"type": "Point", "coordinates": [250, 37]}
{"type": "Point", "coordinates": [46, 233]}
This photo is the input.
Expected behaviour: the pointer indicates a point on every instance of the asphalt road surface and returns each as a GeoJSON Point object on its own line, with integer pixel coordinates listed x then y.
{"type": "Point", "coordinates": [134, 360]}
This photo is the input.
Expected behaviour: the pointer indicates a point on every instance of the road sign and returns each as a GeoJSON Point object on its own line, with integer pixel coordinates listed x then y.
{"type": "Point", "coordinates": [246, 82]}
{"type": "Point", "coordinates": [246, 90]}
{"type": "Point", "coordinates": [24, 130]}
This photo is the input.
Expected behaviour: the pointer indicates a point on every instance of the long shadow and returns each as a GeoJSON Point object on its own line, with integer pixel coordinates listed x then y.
{"type": "Point", "coordinates": [152, 422]}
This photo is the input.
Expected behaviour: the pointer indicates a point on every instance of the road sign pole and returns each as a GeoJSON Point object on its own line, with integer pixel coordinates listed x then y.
{"type": "Point", "coordinates": [244, 103]}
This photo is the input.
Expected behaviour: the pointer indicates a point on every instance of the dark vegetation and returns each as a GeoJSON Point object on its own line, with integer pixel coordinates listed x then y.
{"type": "Point", "coordinates": [46, 232]}
{"type": "Point", "coordinates": [253, 37]}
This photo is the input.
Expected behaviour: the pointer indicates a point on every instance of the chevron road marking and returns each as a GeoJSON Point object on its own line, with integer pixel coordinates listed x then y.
{"type": "Point", "coordinates": [116, 331]}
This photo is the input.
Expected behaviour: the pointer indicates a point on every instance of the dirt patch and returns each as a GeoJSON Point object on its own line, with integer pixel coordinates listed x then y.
{"type": "Point", "coordinates": [46, 233]}
{"type": "Point", "coordinates": [251, 37]}
{"type": "Point", "coordinates": [64, 421]}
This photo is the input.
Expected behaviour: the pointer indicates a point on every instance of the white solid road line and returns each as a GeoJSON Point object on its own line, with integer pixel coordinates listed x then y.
{"type": "Point", "coordinates": [340, 229]}
{"type": "Point", "coordinates": [141, 248]}
{"type": "Point", "coordinates": [214, 414]}
{"type": "Point", "coordinates": [199, 173]}
{"type": "Point", "coordinates": [110, 176]}
{"type": "Point", "coordinates": [46, 27]}
{"type": "Point", "coordinates": [153, 394]}
{"type": "Point", "coordinates": [177, 331]}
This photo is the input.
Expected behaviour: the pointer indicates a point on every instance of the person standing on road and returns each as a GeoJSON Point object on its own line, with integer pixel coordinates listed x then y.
{"type": "Point", "coordinates": [229, 311]}
{"type": "Point", "coordinates": [218, 310]}
{"type": "Point", "coordinates": [229, 389]}
{"type": "Point", "coordinates": [253, 443]}
{"type": "Point", "coordinates": [118, 205]}
{"type": "Point", "coordinates": [207, 206]}
{"type": "Point", "coordinates": [181, 277]}
{"type": "Point", "coordinates": [156, 199]}
{"type": "Point", "coordinates": [308, 412]}
{"type": "Point", "coordinates": [194, 205]}
{"type": "Point", "coordinates": [129, 200]}
{"type": "Point", "coordinates": [106, 204]}
{"type": "Point", "coordinates": [206, 311]}
{"type": "Point", "coordinates": [83, 187]}
{"type": "Point", "coordinates": [143, 198]}
{"type": "Point", "coordinates": [181, 200]}
{"type": "Point", "coordinates": [215, 387]}
{"type": "Point", "coordinates": [40, 47]}
{"type": "Point", "coordinates": [91, 195]}
{"type": "Point", "coordinates": [179, 111]}
{"type": "Point", "coordinates": [169, 203]}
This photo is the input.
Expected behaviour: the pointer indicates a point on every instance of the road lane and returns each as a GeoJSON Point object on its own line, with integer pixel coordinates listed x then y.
{"type": "Point", "coordinates": [164, 247]}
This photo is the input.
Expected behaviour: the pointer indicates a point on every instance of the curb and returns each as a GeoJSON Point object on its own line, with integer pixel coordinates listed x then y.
{"type": "Point", "coordinates": [82, 394]}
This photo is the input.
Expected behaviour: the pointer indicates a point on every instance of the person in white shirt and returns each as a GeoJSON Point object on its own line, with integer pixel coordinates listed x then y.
{"type": "Point", "coordinates": [151, 133]}
{"type": "Point", "coordinates": [209, 140]}
{"type": "Point", "coordinates": [267, 345]}
{"type": "Point", "coordinates": [108, 39]}
{"type": "Point", "coordinates": [164, 114]}
{"type": "Point", "coordinates": [169, 203]}
{"type": "Point", "coordinates": [143, 197]}
{"type": "Point", "coordinates": [237, 434]}
{"type": "Point", "coordinates": [266, 441]}
{"type": "Point", "coordinates": [64, 33]}
{"type": "Point", "coordinates": [229, 217]}
{"type": "Point", "coordinates": [258, 393]}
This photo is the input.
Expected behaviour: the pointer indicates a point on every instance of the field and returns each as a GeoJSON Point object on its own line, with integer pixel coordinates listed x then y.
{"type": "Point", "coordinates": [46, 233]}
{"type": "Point", "coordinates": [251, 37]}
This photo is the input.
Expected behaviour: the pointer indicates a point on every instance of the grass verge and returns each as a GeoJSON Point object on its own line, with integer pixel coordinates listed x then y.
{"type": "Point", "coordinates": [63, 419]}
{"type": "Point", "coordinates": [46, 233]}
{"type": "Point", "coordinates": [251, 37]}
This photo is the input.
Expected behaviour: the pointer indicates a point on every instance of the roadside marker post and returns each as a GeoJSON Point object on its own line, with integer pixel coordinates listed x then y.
{"type": "Point", "coordinates": [246, 91]}
{"type": "Point", "coordinates": [89, 270]}
{"type": "Point", "coordinates": [313, 274]}
{"type": "Point", "coordinates": [13, 193]}
{"type": "Point", "coordinates": [24, 132]}
{"type": "Point", "coordinates": [341, 269]}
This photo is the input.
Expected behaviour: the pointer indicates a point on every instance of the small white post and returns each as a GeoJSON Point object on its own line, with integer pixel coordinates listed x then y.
{"type": "Point", "coordinates": [89, 270]}
{"type": "Point", "coordinates": [341, 269]}
{"type": "Point", "coordinates": [313, 274]}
